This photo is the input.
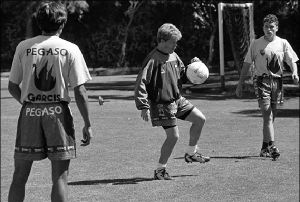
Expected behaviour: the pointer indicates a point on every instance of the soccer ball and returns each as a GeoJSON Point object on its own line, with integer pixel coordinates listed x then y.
{"type": "Point", "coordinates": [197, 72]}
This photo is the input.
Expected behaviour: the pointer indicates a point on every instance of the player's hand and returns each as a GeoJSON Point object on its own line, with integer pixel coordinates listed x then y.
{"type": "Point", "coordinates": [87, 135]}
{"type": "Point", "coordinates": [295, 78]}
{"type": "Point", "coordinates": [239, 90]}
{"type": "Point", "coordinates": [145, 114]}
{"type": "Point", "coordinates": [195, 59]}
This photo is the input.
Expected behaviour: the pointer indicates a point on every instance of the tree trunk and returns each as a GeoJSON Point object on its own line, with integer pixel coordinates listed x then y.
{"type": "Point", "coordinates": [211, 46]}
{"type": "Point", "coordinates": [130, 12]}
{"type": "Point", "coordinates": [124, 43]}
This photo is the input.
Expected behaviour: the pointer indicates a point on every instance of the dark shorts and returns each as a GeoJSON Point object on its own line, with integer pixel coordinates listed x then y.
{"type": "Point", "coordinates": [167, 114]}
{"type": "Point", "coordinates": [45, 130]}
{"type": "Point", "coordinates": [268, 90]}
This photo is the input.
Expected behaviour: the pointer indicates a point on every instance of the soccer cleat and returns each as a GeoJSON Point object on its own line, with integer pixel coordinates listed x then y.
{"type": "Point", "coordinates": [161, 174]}
{"type": "Point", "coordinates": [274, 153]}
{"type": "Point", "coordinates": [264, 153]}
{"type": "Point", "coordinates": [196, 158]}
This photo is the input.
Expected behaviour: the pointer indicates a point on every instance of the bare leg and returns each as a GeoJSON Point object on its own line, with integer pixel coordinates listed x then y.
{"type": "Point", "coordinates": [60, 171]}
{"type": "Point", "coordinates": [268, 119]}
{"type": "Point", "coordinates": [20, 177]}
{"type": "Point", "coordinates": [169, 144]}
{"type": "Point", "coordinates": [274, 111]}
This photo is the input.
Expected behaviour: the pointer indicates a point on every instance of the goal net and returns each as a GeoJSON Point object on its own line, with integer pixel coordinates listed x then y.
{"type": "Point", "coordinates": [238, 20]}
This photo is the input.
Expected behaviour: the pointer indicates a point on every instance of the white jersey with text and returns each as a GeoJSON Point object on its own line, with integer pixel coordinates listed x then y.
{"type": "Point", "coordinates": [45, 66]}
{"type": "Point", "coordinates": [268, 56]}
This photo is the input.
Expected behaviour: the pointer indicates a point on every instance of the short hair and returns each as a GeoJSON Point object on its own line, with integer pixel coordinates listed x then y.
{"type": "Point", "coordinates": [270, 18]}
{"type": "Point", "coordinates": [168, 31]}
{"type": "Point", "coordinates": [51, 16]}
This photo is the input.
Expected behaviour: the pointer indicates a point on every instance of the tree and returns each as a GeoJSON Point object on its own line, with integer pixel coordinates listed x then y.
{"type": "Point", "coordinates": [121, 33]}
{"type": "Point", "coordinates": [206, 13]}
{"type": "Point", "coordinates": [130, 13]}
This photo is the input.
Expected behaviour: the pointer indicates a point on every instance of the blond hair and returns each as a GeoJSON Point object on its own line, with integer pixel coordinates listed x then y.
{"type": "Point", "coordinates": [168, 31]}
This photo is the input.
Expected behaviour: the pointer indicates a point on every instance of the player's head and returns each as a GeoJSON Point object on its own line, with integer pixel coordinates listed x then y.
{"type": "Point", "coordinates": [270, 26]}
{"type": "Point", "coordinates": [167, 37]}
{"type": "Point", "coordinates": [271, 18]}
{"type": "Point", "coordinates": [51, 16]}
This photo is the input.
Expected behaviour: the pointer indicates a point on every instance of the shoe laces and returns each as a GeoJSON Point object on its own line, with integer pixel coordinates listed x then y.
{"type": "Point", "coordinates": [273, 149]}
{"type": "Point", "coordinates": [163, 172]}
{"type": "Point", "coordinates": [199, 155]}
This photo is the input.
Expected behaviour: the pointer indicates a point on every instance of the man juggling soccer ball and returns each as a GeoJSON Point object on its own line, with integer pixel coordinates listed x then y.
{"type": "Point", "coordinates": [157, 94]}
{"type": "Point", "coordinates": [268, 53]}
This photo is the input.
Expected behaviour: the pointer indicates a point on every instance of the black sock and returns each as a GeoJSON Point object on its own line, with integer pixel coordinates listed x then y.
{"type": "Point", "coordinates": [264, 145]}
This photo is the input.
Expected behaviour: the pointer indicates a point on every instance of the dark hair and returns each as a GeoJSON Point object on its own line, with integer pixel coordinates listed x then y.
{"type": "Point", "coordinates": [51, 16]}
{"type": "Point", "coordinates": [271, 18]}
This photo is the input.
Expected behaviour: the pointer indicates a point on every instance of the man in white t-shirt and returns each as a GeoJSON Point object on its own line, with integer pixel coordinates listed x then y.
{"type": "Point", "coordinates": [268, 54]}
{"type": "Point", "coordinates": [44, 66]}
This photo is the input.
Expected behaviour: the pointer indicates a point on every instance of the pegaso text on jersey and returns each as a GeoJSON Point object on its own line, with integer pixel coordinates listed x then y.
{"type": "Point", "coordinates": [43, 51]}
{"type": "Point", "coordinates": [46, 111]}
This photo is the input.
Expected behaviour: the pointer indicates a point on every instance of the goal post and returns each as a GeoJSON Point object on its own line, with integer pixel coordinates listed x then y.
{"type": "Point", "coordinates": [250, 36]}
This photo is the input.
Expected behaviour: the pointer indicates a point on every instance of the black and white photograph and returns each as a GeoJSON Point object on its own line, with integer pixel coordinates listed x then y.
{"type": "Point", "coordinates": [150, 100]}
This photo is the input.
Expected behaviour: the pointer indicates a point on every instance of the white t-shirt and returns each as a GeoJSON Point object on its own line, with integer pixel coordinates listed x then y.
{"type": "Point", "coordinates": [268, 56]}
{"type": "Point", "coordinates": [46, 66]}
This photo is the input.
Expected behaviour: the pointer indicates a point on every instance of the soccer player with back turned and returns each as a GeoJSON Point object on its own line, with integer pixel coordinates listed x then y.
{"type": "Point", "coordinates": [268, 53]}
{"type": "Point", "coordinates": [157, 93]}
{"type": "Point", "coordinates": [46, 65]}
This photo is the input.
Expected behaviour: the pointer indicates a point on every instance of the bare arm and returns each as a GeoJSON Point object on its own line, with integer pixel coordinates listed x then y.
{"type": "Point", "coordinates": [82, 104]}
{"type": "Point", "coordinates": [243, 77]}
{"type": "Point", "coordinates": [15, 91]}
{"type": "Point", "coordinates": [294, 72]}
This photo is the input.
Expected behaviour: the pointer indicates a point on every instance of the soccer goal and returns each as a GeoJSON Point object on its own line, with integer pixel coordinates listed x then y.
{"type": "Point", "coordinates": [238, 18]}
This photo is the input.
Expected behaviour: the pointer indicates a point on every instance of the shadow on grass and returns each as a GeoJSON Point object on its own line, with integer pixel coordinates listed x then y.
{"type": "Point", "coordinates": [112, 181]}
{"type": "Point", "coordinates": [233, 157]}
{"type": "Point", "coordinates": [117, 85]}
{"type": "Point", "coordinates": [283, 113]}
{"type": "Point", "coordinates": [135, 180]}
{"type": "Point", "coordinates": [288, 113]}
{"type": "Point", "coordinates": [94, 98]}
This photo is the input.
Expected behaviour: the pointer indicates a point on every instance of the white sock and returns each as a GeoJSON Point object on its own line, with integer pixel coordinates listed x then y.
{"type": "Point", "coordinates": [161, 166]}
{"type": "Point", "coordinates": [191, 150]}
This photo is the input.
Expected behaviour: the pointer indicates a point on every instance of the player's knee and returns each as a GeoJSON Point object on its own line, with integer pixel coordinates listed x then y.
{"type": "Point", "coordinates": [200, 120]}
{"type": "Point", "coordinates": [268, 118]}
{"type": "Point", "coordinates": [63, 177]}
{"type": "Point", "coordinates": [266, 113]}
{"type": "Point", "coordinates": [173, 137]}
{"type": "Point", "coordinates": [176, 136]}
{"type": "Point", "coordinates": [264, 104]}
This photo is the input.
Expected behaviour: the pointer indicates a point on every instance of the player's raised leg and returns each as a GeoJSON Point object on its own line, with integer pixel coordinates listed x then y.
{"type": "Point", "coordinates": [60, 171]}
{"type": "Point", "coordinates": [20, 177]}
{"type": "Point", "coordinates": [197, 118]}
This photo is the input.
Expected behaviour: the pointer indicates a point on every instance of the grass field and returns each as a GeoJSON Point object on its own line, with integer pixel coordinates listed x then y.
{"type": "Point", "coordinates": [119, 164]}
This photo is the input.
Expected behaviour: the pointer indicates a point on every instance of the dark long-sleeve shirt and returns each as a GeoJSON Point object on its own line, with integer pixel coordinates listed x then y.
{"type": "Point", "coordinates": [160, 79]}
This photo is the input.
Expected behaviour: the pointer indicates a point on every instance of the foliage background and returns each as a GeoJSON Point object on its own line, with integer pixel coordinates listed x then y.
{"type": "Point", "coordinates": [99, 28]}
